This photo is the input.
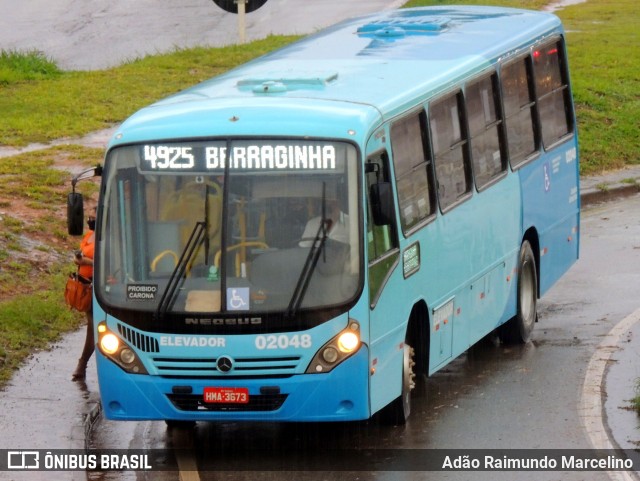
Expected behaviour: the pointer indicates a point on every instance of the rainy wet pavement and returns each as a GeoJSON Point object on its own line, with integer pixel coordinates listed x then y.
{"type": "Point", "coordinates": [42, 408]}
{"type": "Point", "coordinates": [89, 35]}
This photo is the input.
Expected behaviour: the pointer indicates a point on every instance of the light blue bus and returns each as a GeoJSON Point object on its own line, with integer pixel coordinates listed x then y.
{"type": "Point", "coordinates": [297, 239]}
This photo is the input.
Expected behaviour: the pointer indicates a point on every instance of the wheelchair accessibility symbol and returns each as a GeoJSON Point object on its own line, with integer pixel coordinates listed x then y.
{"type": "Point", "coordinates": [238, 298]}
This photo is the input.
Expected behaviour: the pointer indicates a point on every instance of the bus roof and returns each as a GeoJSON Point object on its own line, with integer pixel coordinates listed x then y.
{"type": "Point", "coordinates": [361, 71]}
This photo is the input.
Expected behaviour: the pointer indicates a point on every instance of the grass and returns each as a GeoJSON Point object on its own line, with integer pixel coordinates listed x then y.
{"type": "Point", "coordinates": [35, 250]}
{"type": "Point", "coordinates": [604, 52]}
{"type": "Point", "coordinates": [74, 103]}
{"type": "Point", "coordinates": [635, 402]}
{"type": "Point", "coordinates": [31, 322]}
{"type": "Point", "coordinates": [16, 67]}
{"type": "Point", "coordinates": [40, 103]}
{"type": "Point", "coordinates": [530, 4]}
{"type": "Point", "coordinates": [32, 178]}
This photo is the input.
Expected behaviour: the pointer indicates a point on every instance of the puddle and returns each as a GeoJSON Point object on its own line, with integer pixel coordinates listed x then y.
{"type": "Point", "coordinates": [41, 408]}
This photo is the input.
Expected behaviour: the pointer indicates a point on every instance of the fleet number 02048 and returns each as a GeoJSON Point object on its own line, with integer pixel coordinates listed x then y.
{"type": "Point", "coordinates": [283, 341]}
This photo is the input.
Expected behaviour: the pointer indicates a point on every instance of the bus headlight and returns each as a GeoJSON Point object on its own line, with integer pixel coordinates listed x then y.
{"type": "Point", "coordinates": [109, 343]}
{"type": "Point", "coordinates": [330, 355]}
{"type": "Point", "coordinates": [336, 350]}
{"type": "Point", "coordinates": [127, 356]}
{"type": "Point", "coordinates": [118, 351]}
{"type": "Point", "coordinates": [348, 342]}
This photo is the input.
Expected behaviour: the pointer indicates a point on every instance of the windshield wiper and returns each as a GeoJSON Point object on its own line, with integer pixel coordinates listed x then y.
{"type": "Point", "coordinates": [312, 259]}
{"type": "Point", "coordinates": [168, 296]}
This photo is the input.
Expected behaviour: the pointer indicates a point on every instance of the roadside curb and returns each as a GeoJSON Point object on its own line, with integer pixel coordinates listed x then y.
{"type": "Point", "coordinates": [608, 193]}
{"type": "Point", "coordinates": [590, 406]}
{"type": "Point", "coordinates": [610, 185]}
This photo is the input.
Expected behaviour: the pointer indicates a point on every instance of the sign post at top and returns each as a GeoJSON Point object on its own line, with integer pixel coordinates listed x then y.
{"type": "Point", "coordinates": [241, 7]}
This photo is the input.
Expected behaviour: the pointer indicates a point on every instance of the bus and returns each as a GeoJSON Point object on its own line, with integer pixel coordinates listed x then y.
{"type": "Point", "coordinates": [301, 237]}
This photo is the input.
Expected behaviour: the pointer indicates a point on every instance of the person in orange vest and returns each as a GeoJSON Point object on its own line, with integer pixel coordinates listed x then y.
{"type": "Point", "coordinates": [84, 260]}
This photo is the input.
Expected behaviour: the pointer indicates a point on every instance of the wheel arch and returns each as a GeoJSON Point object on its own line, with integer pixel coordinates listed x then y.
{"type": "Point", "coordinates": [531, 235]}
{"type": "Point", "coordinates": [418, 336]}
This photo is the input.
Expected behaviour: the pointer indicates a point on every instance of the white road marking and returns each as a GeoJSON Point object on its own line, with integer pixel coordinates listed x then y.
{"type": "Point", "coordinates": [185, 454]}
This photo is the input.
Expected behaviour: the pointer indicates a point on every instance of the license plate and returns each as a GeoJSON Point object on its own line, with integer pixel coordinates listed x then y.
{"type": "Point", "coordinates": [226, 395]}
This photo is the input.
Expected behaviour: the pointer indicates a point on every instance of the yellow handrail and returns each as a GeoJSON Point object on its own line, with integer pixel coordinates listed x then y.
{"type": "Point", "coordinates": [160, 256]}
{"type": "Point", "coordinates": [216, 259]}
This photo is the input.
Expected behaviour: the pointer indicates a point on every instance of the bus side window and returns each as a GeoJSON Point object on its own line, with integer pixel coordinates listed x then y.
{"type": "Point", "coordinates": [552, 89]}
{"type": "Point", "coordinates": [485, 130]}
{"type": "Point", "coordinates": [519, 110]}
{"type": "Point", "coordinates": [413, 170]}
{"type": "Point", "coordinates": [450, 148]}
{"type": "Point", "coordinates": [382, 241]}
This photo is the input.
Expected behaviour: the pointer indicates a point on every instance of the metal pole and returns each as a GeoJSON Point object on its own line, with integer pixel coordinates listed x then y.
{"type": "Point", "coordinates": [242, 29]}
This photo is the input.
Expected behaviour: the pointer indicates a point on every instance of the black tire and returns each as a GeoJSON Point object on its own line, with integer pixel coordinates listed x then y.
{"type": "Point", "coordinates": [518, 329]}
{"type": "Point", "coordinates": [398, 411]}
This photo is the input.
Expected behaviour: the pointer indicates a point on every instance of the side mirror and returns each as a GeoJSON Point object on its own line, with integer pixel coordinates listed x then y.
{"type": "Point", "coordinates": [382, 203]}
{"type": "Point", "coordinates": [75, 203]}
{"type": "Point", "coordinates": [75, 213]}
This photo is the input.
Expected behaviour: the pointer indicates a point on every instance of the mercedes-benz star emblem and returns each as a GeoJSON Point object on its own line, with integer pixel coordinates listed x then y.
{"type": "Point", "coordinates": [224, 364]}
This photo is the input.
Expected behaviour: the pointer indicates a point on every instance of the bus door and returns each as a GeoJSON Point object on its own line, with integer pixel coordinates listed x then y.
{"type": "Point", "coordinates": [384, 280]}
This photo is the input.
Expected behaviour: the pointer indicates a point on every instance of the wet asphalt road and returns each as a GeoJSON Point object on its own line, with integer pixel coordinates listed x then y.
{"type": "Point", "coordinates": [93, 34]}
{"type": "Point", "coordinates": [493, 397]}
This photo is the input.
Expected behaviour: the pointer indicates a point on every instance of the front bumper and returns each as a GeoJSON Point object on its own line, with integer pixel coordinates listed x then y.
{"type": "Point", "coordinates": [339, 395]}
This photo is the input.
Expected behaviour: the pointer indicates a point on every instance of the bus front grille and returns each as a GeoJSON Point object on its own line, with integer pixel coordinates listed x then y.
{"type": "Point", "coordinates": [141, 341]}
{"type": "Point", "coordinates": [173, 367]}
{"type": "Point", "coordinates": [195, 402]}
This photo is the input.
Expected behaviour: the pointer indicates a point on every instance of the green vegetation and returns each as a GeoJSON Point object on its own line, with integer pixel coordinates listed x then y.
{"type": "Point", "coordinates": [34, 249]}
{"type": "Point", "coordinates": [75, 103]}
{"type": "Point", "coordinates": [635, 402]}
{"type": "Point", "coordinates": [604, 51]}
{"type": "Point", "coordinates": [530, 4]}
{"type": "Point", "coordinates": [40, 103]}
{"type": "Point", "coordinates": [31, 322]}
{"type": "Point", "coordinates": [32, 178]}
{"type": "Point", "coordinates": [18, 67]}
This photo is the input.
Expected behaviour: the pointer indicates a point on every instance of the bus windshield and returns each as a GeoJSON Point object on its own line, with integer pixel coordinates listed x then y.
{"type": "Point", "coordinates": [241, 226]}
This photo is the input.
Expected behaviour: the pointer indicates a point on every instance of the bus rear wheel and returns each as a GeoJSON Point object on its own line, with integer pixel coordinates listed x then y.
{"type": "Point", "coordinates": [518, 329]}
{"type": "Point", "coordinates": [398, 411]}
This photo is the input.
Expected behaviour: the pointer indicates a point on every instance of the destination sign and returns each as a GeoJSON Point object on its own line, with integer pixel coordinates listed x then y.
{"type": "Point", "coordinates": [246, 156]}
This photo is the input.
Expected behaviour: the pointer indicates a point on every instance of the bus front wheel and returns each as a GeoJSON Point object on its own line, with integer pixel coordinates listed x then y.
{"type": "Point", "coordinates": [518, 329]}
{"type": "Point", "coordinates": [398, 411]}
